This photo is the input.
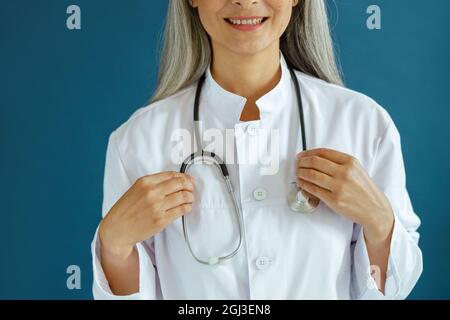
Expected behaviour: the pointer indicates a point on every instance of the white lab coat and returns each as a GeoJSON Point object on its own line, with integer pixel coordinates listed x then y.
{"type": "Point", "coordinates": [286, 255]}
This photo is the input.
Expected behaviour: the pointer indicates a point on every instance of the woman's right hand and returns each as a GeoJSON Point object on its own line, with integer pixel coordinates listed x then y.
{"type": "Point", "coordinates": [151, 203]}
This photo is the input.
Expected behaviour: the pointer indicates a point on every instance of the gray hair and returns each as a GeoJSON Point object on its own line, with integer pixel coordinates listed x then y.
{"type": "Point", "coordinates": [186, 53]}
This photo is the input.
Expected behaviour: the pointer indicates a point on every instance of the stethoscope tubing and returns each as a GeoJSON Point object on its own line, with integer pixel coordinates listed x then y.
{"type": "Point", "coordinates": [219, 163]}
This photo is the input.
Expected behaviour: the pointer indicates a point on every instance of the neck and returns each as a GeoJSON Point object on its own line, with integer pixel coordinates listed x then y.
{"type": "Point", "coordinates": [249, 76]}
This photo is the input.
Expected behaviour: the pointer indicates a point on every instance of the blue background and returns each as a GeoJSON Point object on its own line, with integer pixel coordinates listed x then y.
{"type": "Point", "coordinates": [62, 92]}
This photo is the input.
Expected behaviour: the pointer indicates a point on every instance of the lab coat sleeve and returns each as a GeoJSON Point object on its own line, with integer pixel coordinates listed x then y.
{"type": "Point", "coordinates": [116, 182]}
{"type": "Point", "coordinates": [405, 258]}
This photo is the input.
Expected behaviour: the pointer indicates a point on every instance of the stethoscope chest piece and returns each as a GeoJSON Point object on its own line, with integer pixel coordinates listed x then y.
{"type": "Point", "coordinates": [300, 202]}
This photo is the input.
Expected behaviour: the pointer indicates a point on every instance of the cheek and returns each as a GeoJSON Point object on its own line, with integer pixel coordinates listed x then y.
{"type": "Point", "coordinates": [208, 12]}
{"type": "Point", "coordinates": [208, 22]}
{"type": "Point", "coordinates": [282, 12]}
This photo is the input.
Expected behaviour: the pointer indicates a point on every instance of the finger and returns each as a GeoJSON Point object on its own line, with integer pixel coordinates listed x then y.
{"type": "Point", "coordinates": [309, 195]}
{"type": "Point", "coordinates": [177, 199]}
{"type": "Point", "coordinates": [160, 177]}
{"type": "Point", "coordinates": [175, 184]}
{"type": "Point", "coordinates": [318, 163]}
{"type": "Point", "coordinates": [315, 190]}
{"type": "Point", "coordinates": [319, 178]}
{"type": "Point", "coordinates": [177, 212]}
{"type": "Point", "coordinates": [330, 154]}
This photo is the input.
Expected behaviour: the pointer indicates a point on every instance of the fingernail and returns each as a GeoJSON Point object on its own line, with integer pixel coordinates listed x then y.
{"type": "Point", "coordinates": [194, 179]}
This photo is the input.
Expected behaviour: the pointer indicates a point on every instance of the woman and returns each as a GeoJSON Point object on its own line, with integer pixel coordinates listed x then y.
{"type": "Point", "coordinates": [360, 242]}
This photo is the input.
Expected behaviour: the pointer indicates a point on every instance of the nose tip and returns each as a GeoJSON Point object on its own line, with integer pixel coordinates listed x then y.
{"type": "Point", "coordinates": [245, 3]}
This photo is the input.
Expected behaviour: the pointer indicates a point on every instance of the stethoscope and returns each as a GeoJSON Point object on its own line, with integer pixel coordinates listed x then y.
{"type": "Point", "coordinates": [297, 200]}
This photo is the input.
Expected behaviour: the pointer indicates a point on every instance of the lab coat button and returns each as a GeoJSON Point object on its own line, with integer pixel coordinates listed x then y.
{"type": "Point", "coordinates": [263, 263]}
{"type": "Point", "coordinates": [260, 194]}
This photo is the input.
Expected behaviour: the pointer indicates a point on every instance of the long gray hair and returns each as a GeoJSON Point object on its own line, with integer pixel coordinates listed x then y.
{"type": "Point", "coordinates": [186, 53]}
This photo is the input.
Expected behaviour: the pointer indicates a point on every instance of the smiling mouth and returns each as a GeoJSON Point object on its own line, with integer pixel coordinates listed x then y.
{"type": "Point", "coordinates": [246, 21]}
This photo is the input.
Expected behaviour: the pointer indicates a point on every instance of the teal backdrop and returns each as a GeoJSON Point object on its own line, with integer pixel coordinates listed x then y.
{"type": "Point", "coordinates": [62, 92]}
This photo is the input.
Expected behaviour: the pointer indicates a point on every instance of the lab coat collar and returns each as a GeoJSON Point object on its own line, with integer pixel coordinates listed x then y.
{"type": "Point", "coordinates": [226, 107]}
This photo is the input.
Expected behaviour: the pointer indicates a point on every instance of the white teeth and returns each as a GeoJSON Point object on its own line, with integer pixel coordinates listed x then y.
{"type": "Point", "coordinates": [246, 21]}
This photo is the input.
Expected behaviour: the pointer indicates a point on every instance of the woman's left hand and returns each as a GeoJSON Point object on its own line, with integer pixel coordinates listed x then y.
{"type": "Point", "coordinates": [339, 180]}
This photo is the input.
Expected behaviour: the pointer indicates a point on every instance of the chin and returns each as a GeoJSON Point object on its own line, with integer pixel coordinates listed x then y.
{"type": "Point", "coordinates": [248, 48]}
